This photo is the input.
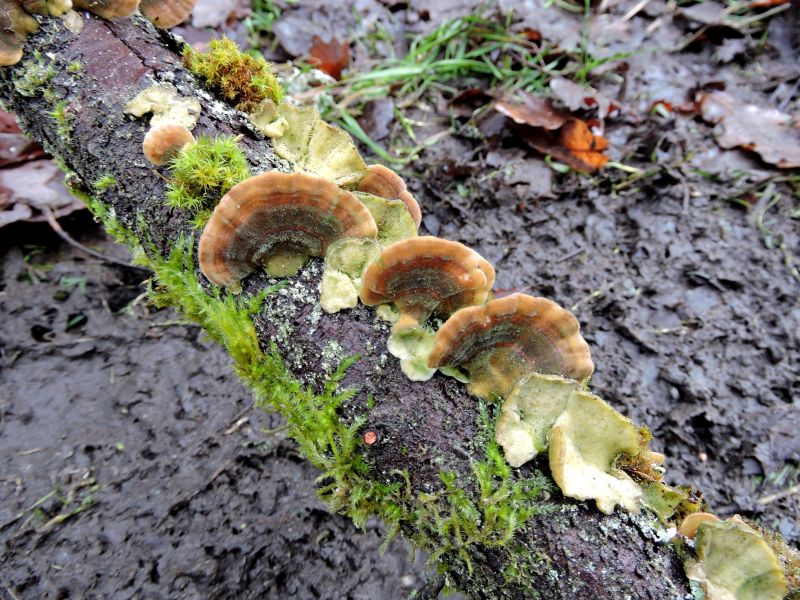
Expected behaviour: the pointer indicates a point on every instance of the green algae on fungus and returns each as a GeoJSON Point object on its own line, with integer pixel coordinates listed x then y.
{"type": "Point", "coordinates": [52, 8]}
{"type": "Point", "coordinates": [166, 106]}
{"type": "Point", "coordinates": [584, 436]}
{"type": "Point", "coordinates": [205, 171]}
{"type": "Point", "coordinates": [243, 80]}
{"type": "Point", "coordinates": [735, 562]}
{"type": "Point", "coordinates": [278, 220]}
{"type": "Point", "coordinates": [345, 263]}
{"type": "Point", "coordinates": [314, 146]}
{"type": "Point", "coordinates": [413, 346]}
{"type": "Point", "coordinates": [392, 217]}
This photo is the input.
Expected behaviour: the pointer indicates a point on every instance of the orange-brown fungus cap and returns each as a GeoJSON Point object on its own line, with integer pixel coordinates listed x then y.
{"type": "Point", "coordinates": [690, 524]}
{"type": "Point", "coordinates": [274, 216]}
{"type": "Point", "coordinates": [15, 26]}
{"type": "Point", "coordinates": [385, 183]}
{"type": "Point", "coordinates": [509, 337]}
{"type": "Point", "coordinates": [167, 13]}
{"type": "Point", "coordinates": [164, 141]}
{"type": "Point", "coordinates": [108, 9]}
{"type": "Point", "coordinates": [427, 275]}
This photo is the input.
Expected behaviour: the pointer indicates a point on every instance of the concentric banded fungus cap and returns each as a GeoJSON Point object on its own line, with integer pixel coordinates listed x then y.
{"type": "Point", "coordinates": [509, 337]}
{"type": "Point", "coordinates": [167, 13]}
{"type": "Point", "coordinates": [383, 182]}
{"type": "Point", "coordinates": [278, 220]}
{"type": "Point", "coordinates": [108, 9]}
{"type": "Point", "coordinates": [15, 26]}
{"type": "Point", "coordinates": [424, 276]}
{"type": "Point", "coordinates": [164, 141]}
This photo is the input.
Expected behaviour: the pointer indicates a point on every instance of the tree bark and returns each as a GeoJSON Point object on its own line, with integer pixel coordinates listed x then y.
{"type": "Point", "coordinates": [425, 428]}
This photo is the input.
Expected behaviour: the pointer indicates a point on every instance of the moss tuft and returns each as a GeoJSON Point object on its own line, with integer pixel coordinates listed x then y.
{"type": "Point", "coordinates": [243, 80]}
{"type": "Point", "coordinates": [204, 171]}
{"type": "Point", "coordinates": [61, 116]}
{"type": "Point", "coordinates": [104, 182]}
{"type": "Point", "coordinates": [38, 73]}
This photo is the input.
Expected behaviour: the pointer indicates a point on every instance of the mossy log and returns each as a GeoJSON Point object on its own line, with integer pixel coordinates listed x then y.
{"type": "Point", "coordinates": [74, 106]}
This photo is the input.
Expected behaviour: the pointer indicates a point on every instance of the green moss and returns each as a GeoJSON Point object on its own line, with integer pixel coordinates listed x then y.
{"type": "Point", "coordinates": [61, 116]}
{"type": "Point", "coordinates": [243, 80]}
{"type": "Point", "coordinates": [204, 171]}
{"type": "Point", "coordinates": [75, 67]}
{"type": "Point", "coordinates": [39, 71]}
{"type": "Point", "coordinates": [104, 182]}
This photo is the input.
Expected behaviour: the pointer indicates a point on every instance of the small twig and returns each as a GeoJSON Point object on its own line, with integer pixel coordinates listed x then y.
{"type": "Point", "coordinates": [577, 252]}
{"type": "Point", "coordinates": [54, 224]}
{"type": "Point", "coordinates": [795, 489]}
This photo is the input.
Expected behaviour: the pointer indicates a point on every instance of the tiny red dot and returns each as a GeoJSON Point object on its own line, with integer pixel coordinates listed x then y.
{"type": "Point", "coordinates": [370, 437]}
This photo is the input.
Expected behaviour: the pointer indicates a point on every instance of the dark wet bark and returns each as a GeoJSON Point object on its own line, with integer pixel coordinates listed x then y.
{"type": "Point", "coordinates": [422, 427]}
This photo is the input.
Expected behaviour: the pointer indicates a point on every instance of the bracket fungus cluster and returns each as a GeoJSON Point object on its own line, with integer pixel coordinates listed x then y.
{"type": "Point", "coordinates": [424, 277]}
{"type": "Point", "coordinates": [17, 20]}
{"type": "Point", "coordinates": [734, 561]}
{"type": "Point", "coordinates": [278, 220]}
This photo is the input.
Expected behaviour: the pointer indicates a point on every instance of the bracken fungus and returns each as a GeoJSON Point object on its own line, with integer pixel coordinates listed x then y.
{"type": "Point", "coordinates": [509, 337]}
{"type": "Point", "coordinates": [424, 276]}
{"type": "Point", "coordinates": [15, 27]}
{"type": "Point", "coordinates": [278, 220]}
{"type": "Point", "coordinates": [167, 13]}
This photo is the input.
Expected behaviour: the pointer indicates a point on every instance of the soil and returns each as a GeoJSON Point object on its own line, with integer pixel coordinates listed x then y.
{"type": "Point", "coordinates": [133, 463]}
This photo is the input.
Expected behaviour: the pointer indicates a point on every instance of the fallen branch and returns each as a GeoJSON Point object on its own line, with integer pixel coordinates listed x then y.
{"type": "Point", "coordinates": [433, 473]}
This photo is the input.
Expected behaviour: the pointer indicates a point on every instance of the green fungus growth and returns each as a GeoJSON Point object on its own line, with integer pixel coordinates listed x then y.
{"type": "Point", "coordinates": [245, 81]}
{"type": "Point", "coordinates": [203, 172]}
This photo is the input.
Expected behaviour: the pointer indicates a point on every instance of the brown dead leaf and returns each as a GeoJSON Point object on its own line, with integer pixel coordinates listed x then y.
{"type": "Point", "coordinates": [766, 131]}
{"type": "Point", "coordinates": [28, 190]}
{"type": "Point", "coordinates": [332, 58]}
{"type": "Point", "coordinates": [535, 111]}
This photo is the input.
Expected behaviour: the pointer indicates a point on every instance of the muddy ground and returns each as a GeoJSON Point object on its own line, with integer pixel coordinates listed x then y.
{"type": "Point", "coordinates": [134, 466]}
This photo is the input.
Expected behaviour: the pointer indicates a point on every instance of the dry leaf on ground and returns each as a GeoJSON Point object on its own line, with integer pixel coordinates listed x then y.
{"type": "Point", "coordinates": [27, 190]}
{"type": "Point", "coordinates": [550, 131]}
{"type": "Point", "coordinates": [330, 57]}
{"type": "Point", "coordinates": [535, 111]}
{"type": "Point", "coordinates": [767, 131]}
